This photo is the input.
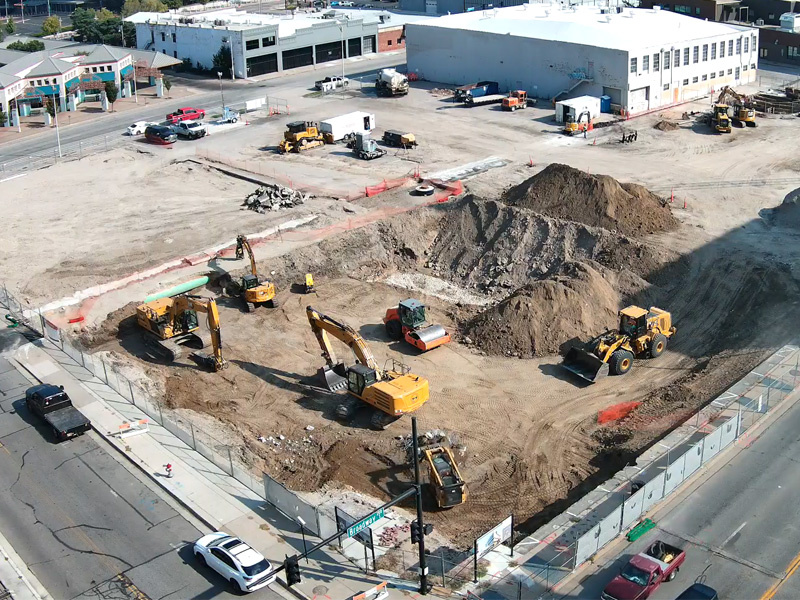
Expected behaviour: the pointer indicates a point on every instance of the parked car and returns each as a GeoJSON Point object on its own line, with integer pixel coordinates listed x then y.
{"type": "Point", "coordinates": [192, 130]}
{"type": "Point", "coordinates": [698, 591]}
{"type": "Point", "coordinates": [139, 127]}
{"type": "Point", "coordinates": [186, 114]}
{"type": "Point", "coordinates": [160, 134]}
{"type": "Point", "coordinates": [238, 563]}
{"type": "Point", "coordinates": [330, 83]}
{"type": "Point", "coordinates": [53, 406]}
{"type": "Point", "coordinates": [645, 572]}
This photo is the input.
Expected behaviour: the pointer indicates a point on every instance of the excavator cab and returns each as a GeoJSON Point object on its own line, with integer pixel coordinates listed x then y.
{"type": "Point", "coordinates": [250, 281]}
{"type": "Point", "coordinates": [360, 377]}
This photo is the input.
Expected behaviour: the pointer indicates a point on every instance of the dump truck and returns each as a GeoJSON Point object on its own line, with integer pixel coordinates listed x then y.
{"type": "Point", "coordinates": [391, 83]}
{"type": "Point", "coordinates": [645, 572]}
{"type": "Point", "coordinates": [343, 126]}
{"type": "Point", "coordinates": [641, 332]}
{"type": "Point", "coordinates": [364, 147]}
{"type": "Point", "coordinates": [448, 486]}
{"type": "Point", "coordinates": [54, 407]}
{"type": "Point", "coordinates": [399, 139]}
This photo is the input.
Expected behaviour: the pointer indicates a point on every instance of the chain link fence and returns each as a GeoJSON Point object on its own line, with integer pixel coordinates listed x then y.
{"type": "Point", "coordinates": [71, 151]}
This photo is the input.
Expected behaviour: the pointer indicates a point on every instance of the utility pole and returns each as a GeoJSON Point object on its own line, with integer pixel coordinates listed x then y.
{"type": "Point", "coordinates": [341, 29]}
{"type": "Point", "coordinates": [58, 135]}
{"type": "Point", "coordinates": [423, 567]}
{"type": "Point", "coordinates": [219, 75]}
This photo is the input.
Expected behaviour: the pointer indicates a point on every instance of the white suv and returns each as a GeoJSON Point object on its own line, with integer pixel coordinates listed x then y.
{"type": "Point", "coordinates": [237, 562]}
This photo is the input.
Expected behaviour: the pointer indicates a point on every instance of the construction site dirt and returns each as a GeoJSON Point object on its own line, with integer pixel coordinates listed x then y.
{"type": "Point", "coordinates": [511, 284]}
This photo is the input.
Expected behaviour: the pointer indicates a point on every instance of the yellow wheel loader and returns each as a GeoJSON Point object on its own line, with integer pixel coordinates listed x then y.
{"type": "Point", "coordinates": [392, 392]}
{"type": "Point", "coordinates": [252, 290]}
{"type": "Point", "coordinates": [300, 136]}
{"type": "Point", "coordinates": [641, 333]}
{"type": "Point", "coordinates": [448, 486]}
{"type": "Point", "coordinates": [170, 323]}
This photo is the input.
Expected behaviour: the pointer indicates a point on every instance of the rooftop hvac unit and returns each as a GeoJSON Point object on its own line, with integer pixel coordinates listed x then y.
{"type": "Point", "coordinates": [759, 22]}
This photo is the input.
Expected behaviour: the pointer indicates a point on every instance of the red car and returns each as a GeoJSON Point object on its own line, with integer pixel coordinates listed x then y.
{"type": "Point", "coordinates": [186, 114]}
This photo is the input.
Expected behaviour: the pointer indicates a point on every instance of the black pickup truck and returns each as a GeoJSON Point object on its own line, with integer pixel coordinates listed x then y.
{"type": "Point", "coordinates": [51, 404]}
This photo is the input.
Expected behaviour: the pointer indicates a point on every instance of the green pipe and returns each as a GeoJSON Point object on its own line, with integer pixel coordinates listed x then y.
{"type": "Point", "coordinates": [178, 289]}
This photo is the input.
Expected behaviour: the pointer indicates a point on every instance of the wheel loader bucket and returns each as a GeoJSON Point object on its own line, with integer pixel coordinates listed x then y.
{"type": "Point", "coordinates": [585, 365]}
{"type": "Point", "coordinates": [333, 377]}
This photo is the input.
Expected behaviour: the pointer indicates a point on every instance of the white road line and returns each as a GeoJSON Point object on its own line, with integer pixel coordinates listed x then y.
{"type": "Point", "coordinates": [113, 493]}
{"type": "Point", "coordinates": [731, 536]}
{"type": "Point", "coordinates": [13, 177]}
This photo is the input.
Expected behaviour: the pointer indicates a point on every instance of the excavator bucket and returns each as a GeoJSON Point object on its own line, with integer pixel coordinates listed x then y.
{"type": "Point", "coordinates": [585, 364]}
{"type": "Point", "coordinates": [333, 377]}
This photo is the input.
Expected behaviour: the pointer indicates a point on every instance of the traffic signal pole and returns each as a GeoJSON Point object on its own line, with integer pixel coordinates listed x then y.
{"type": "Point", "coordinates": [423, 567]}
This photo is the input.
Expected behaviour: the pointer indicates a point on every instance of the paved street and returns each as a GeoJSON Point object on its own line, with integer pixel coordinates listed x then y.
{"type": "Point", "coordinates": [287, 87]}
{"type": "Point", "coordinates": [84, 524]}
{"type": "Point", "coordinates": [740, 527]}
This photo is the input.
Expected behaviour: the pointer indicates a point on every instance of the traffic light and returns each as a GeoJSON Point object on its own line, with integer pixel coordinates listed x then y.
{"type": "Point", "coordinates": [292, 570]}
{"type": "Point", "coordinates": [416, 534]}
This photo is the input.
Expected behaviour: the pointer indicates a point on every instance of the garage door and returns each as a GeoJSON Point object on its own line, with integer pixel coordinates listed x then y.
{"type": "Point", "coordinates": [298, 57]}
{"type": "Point", "coordinates": [614, 93]}
{"type": "Point", "coordinates": [639, 100]}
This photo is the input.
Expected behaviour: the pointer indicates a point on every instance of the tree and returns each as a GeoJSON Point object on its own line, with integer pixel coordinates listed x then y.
{"type": "Point", "coordinates": [167, 84]}
{"type": "Point", "coordinates": [112, 91]}
{"type": "Point", "coordinates": [85, 24]}
{"type": "Point", "coordinates": [51, 26]}
{"type": "Point", "coordinates": [3, 118]}
{"type": "Point", "coordinates": [11, 27]}
{"type": "Point", "coordinates": [131, 7]}
{"type": "Point", "coordinates": [129, 31]}
{"type": "Point", "coordinates": [31, 46]}
{"type": "Point", "coordinates": [104, 15]}
{"type": "Point", "coordinates": [221, 61]}
{"type": "Point", "coordinates": [50, 108]}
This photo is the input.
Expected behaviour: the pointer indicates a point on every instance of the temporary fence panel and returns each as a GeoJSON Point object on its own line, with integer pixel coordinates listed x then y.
{"type": "Point", "coordinates": [673, 476]}
{"type": "Point", "coordinates": [289, 504]}
{"type": "Point", "coordinates": [632, 509]}
{"type": "Point", "coordinates": [327, 526]}
{"type": "Point", "coordinates": [610, 527]}
{"type": "Point", "coordinates": [728, 431]}
{"type": "Point", "coordinates": [711, 444]}
{"type": "Point", "coordinates": [653, 492]}
{"type": "Point", "coordinates": [587, 545]}
{"type": "Point", "coordinates": [693, 458]}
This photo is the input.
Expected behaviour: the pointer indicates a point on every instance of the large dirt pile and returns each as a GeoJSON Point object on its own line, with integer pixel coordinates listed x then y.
{"type": "Point", "coordinates": [538, 318]}
{"type": "Point", "coordinates": [786, 214]}
{"type": "Point", "coordinates": [497, 248]}
{"type": "Point", "coordinates": [563, 192]}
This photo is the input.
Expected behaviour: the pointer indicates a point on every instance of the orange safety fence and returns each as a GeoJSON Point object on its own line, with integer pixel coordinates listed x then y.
{"type": "Point", "coordinates": [616, 412]}
{"type": "Point", "coordinates": [386, 184]}
{"type": "Point", "coordinates": [448, 189]}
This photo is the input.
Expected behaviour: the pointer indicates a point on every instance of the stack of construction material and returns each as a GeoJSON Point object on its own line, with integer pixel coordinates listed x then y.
{"type": "Point", "coordinates": [274, 197]}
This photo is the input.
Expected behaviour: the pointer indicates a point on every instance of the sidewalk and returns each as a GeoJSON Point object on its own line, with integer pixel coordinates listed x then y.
{"type": "Point", "coordinates": [220, 501]}
{"type": "Point", "coordinates": [16, 578]}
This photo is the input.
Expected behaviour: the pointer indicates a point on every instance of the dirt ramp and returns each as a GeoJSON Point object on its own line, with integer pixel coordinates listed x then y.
{"type": "Point", "coordinates": [538, 318]}
{"type": "Point", "coordinates": [497, 248]}
{"type": "Point", "coordinates": [563, 192]}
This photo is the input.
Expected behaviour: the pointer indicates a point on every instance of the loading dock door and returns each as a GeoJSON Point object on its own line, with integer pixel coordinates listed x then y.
{"type": "Point", "coordinates": [639, 100]}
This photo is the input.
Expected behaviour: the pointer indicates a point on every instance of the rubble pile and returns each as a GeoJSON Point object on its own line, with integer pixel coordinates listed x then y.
{"type": "Point", "coordinates": [274, 197]}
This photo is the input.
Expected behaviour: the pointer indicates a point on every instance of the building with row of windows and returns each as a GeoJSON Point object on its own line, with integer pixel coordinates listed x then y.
{"type": "Point", "coordinates": [643, 59]}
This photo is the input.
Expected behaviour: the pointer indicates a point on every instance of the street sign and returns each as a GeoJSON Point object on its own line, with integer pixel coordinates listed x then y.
{"type": "Point", "coordinates": [363, 523]}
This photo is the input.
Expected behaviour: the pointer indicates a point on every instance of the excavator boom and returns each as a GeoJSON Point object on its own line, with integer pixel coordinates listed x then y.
{"type": "Point", "coordinates": [208, 306]}
{"type": "Point", "coordinates": [242, 245]}
{"type": "Point", "coordinates": [322, 325]}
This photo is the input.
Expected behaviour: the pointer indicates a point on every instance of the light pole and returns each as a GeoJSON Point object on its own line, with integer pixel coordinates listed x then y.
{"type": "Point", "coordinates": [229, 41]}
{"type": "Point", "coordinates": [58, 134]}
{"type": "Point", "coordinates": [219, 75]}
{"type": "Point", "coordinates": [341, 30]}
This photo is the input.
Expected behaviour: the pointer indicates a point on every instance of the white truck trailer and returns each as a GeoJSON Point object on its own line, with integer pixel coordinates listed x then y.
{"type": "Point", "coordinates": [336, 128]}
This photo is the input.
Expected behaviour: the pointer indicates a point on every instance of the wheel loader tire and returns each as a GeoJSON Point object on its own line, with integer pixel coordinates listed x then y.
{"type": "Point", "coordinates": [394, 329]}
{"type": "Point", "coordinates": [658, 345]}
{"type": "Point", "coordinates": [621, 362]}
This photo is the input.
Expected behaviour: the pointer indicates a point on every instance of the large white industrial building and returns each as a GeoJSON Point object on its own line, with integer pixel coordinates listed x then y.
{"type": "Point", "coordinates": [642, 58]}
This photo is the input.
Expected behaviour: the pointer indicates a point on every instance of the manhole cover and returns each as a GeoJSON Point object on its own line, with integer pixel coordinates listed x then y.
{"type": "Point", "coordinates": [794, 372]}
{"type": "Point", "coordinates": [320, 590]}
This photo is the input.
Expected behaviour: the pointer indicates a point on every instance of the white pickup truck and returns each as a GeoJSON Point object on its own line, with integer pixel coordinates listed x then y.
{"type": "Point", "coordinates": [190, 129]}
{"type": "Point", "coordinates": [331, 83]}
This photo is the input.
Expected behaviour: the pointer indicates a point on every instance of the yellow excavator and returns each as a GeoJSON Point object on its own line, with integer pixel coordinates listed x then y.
{"type": "Point", "coordinates": [299, 136]}
{"type": "Point", "coordinates": [641, 332]}
{"type": "Point", "coordinates": [170, 323]}
{"type": "Point", "coordinates": [392, 393]}
{"type": "Point", "coordinates": [253, 291]}
{"type": "Point", "coordinates": [743, 111]}
{"type": "Point", "coordinates": [448, 486]}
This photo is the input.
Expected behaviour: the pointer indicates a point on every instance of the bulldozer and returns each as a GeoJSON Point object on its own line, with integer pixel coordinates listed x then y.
{"type": "Point", "coordinates": [743, 111]}
{"type": "Point", "coordinates": [252, 290]}
{"type": "Point", "coordinates": [392, 392]}
{"type": "Point", "coordinates": [170, 323]}
{"type": "Point", "coordinates": [720, 121]}
{"type": "Point", "coordinates": [448, 486]}
{"type": "Point", "coordinates": [407, 321]}
{"type": "Point", "coordinates": [641, 333]}
{"type": "Point", "coordinates": [299, 136]}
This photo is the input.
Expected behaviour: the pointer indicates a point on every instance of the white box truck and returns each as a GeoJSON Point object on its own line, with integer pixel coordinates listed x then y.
{"type": "Point", "coordinates": [576, 107]}
{"type": "Point", "coordinates": [337, 128]}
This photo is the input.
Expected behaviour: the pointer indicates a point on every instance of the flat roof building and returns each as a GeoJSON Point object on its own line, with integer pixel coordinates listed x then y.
{"type": "Point", "coordinates": [642, 58]}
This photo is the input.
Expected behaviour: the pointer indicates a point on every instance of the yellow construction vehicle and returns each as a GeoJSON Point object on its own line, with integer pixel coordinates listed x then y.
{"type": "Point", "coordinates": [308, 284]}
{"type": "Point", "coordinates": [448, 486]}
{"type": "Point", "coordinates": [720, 121]}
{"type": "Point", "coordinates": [641, 332]}
{"type": "Point", "coordinates": [170, 323]}
{"type": "Point", "coordinates": [578, 124]}
{"type": "Point", "coordinates": [393, 392]}
{"type": "Point", "coordinates": [299, 136]}
{"type": "Point", "coordinates": [744, 113]}
{"type": "Point", "coordinates": [251, 289]}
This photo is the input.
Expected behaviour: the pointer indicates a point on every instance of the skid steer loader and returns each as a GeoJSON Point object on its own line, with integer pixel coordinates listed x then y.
{"type": "Point", "coordinates": [641, 333]}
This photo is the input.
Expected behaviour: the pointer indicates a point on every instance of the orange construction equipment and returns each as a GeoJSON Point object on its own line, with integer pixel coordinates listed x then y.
{"type": "Point", "coordinates": [407, 321]}
{"type": "Point", "coordinates": [516, 99]}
